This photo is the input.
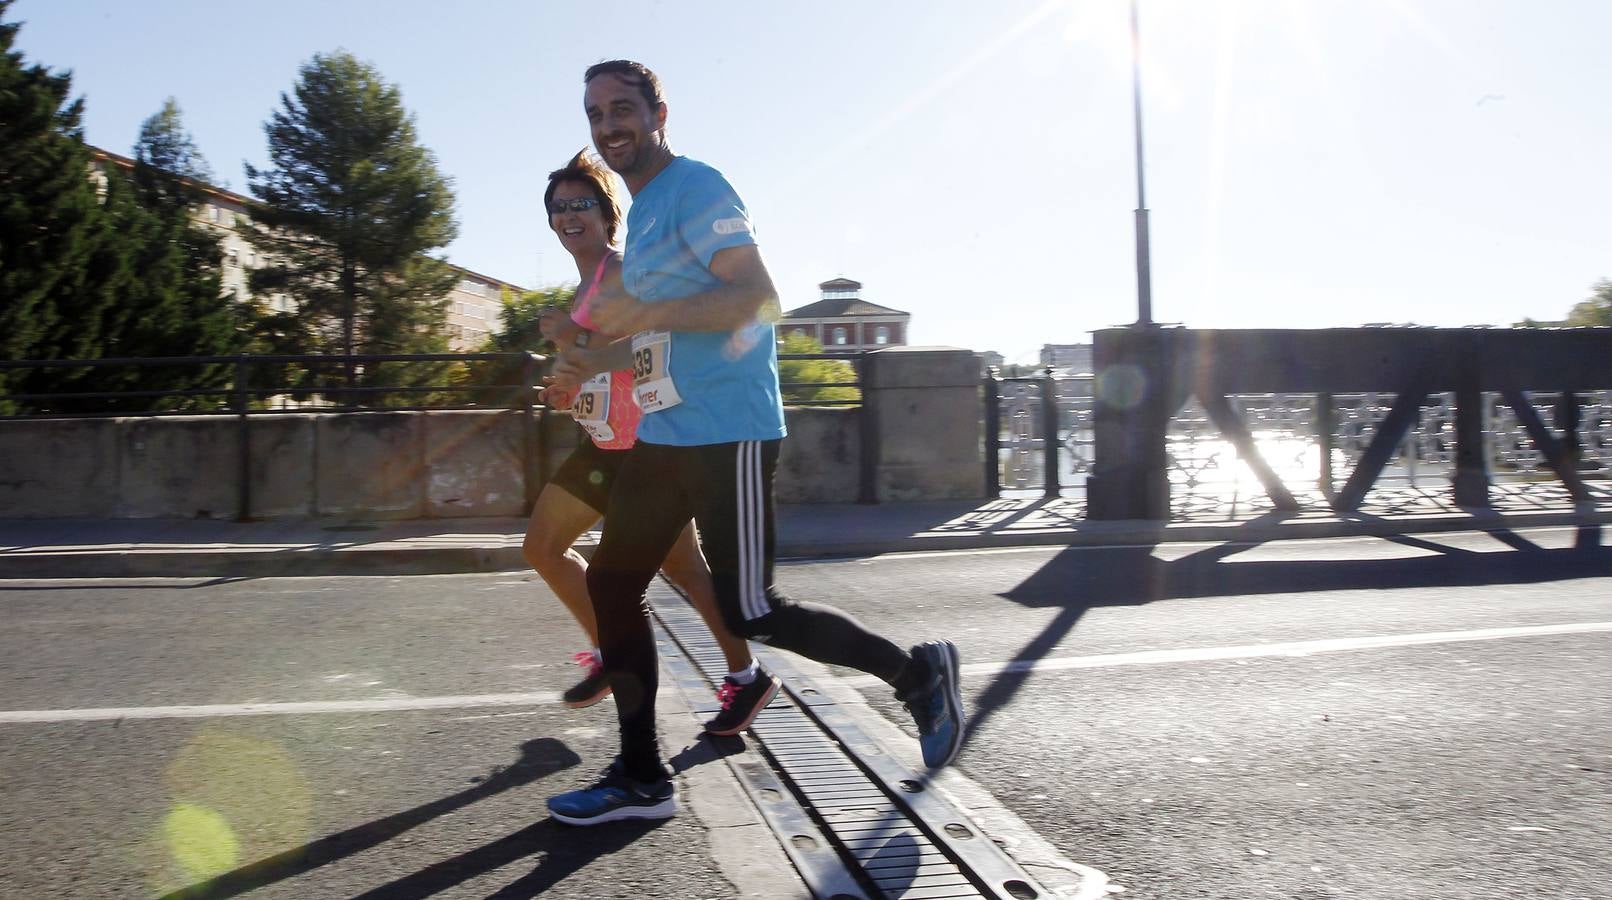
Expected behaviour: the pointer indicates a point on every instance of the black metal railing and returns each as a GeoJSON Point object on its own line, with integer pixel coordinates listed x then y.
{"type": "Point", "coordinates": [249, 384]}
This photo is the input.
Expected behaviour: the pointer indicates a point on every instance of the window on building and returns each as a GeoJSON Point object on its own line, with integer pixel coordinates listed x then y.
{"type": "Point", "coordinates": [882, 336]}
{"type": "Point", "coordinates": [234, 257]}
{"type": "Point", "coordinates": [839, 336]}
{"type": "Point", "coordinates": [212, 213]}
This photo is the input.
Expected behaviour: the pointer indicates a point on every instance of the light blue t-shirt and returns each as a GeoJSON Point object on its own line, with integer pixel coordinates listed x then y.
{"type": "Point", "coordinates": [725, 384]}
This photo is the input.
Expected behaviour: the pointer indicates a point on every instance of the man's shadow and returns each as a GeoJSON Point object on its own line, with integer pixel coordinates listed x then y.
{"type": "Point", "coordinates": [563, 848]}
{"type": "Point", "coordinates": [539, 758]}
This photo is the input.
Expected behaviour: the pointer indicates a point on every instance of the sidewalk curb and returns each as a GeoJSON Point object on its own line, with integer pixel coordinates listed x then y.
{"type": "Point", "coordinates": [123, 561]}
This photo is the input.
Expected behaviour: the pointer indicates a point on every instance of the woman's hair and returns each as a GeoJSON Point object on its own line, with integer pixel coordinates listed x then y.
{"type": "Point", "coordinates": [584, 169]}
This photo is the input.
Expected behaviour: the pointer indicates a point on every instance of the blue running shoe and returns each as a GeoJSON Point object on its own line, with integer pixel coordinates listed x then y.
{"type": "Point", "coordinates": [615, 797]}
{"type": "Point", "coordinates": [937, 705]}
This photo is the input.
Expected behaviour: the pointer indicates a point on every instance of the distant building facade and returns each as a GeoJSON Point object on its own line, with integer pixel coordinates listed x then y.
{"type": "Point", "coordinates": [1068, 359]}
{"type": "Point", "coordinates": [473, 304]}
{"type": "Point", "coordinates": [845, 323]}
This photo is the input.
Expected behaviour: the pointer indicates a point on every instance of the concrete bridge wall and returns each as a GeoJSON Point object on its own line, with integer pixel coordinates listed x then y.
{"type": "Point", "coordinates": [921, 426]}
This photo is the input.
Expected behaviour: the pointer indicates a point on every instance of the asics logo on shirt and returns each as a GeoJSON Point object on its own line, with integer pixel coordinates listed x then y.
{"type": "Point", "coordinates": [736, 225]}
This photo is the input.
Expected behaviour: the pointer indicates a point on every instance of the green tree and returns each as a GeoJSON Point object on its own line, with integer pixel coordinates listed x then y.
{"type": "Point", "coordinates": [60, 260]}
{"type": "Point", "coordinates": [347, 216]}
{"type": "Point", "coordinates": [805, 372]}
{"type": "Point", "coordinates": [1596, 309]}
{"type": "Point", "coordinates": [517, 332]}
{"type": "Point", "coordinates": [165, 147]}
{"type": "Point", "coordinates": [174, 303]}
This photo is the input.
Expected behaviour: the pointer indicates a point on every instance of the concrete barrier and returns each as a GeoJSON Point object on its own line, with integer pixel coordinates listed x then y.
{"type": "Point", "coordinates": [926, 409]}
{"type": "Point", "coordinates": [370, 465]}
{"type": "Point", "coordinates": [64, 468]}
{"type": "Point", "coordinates": [472, 464]}
{"type": "Point", "coordinates": [921, 433]}
{"type": "Point", "coordinates": [820, 461]}
{"type": "Point", "coordinates": [282, 468]}
{"type": "Point", "coordinates": [180, 467]}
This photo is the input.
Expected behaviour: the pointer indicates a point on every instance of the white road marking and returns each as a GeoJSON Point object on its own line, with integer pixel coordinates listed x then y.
{"type": "Point", "coordinates": [1292, 648]}
{"type": "Point", "coordinates": [390, 704]}
{"type": "Point", "coordinates": [1177, 548]}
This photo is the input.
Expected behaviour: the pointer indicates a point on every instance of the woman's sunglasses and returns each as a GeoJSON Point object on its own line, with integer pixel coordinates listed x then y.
{"type": "Point", "coordinates": [580, 204]}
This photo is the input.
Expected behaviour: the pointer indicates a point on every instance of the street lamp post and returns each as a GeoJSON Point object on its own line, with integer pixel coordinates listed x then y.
{"type": "Point", "coordinates": [1144, 273]}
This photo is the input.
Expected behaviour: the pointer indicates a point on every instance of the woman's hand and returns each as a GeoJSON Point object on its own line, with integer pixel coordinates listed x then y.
{"type": "Point", "coordinates": [557, 398]}
{"type": "Point", "coordinates": [556, 325]}
{"type": "Point", "coordinates": [572, 367]}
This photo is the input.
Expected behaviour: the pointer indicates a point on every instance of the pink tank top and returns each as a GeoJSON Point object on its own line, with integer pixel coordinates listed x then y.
{"type": "Point", "coordinates": [605, 406]}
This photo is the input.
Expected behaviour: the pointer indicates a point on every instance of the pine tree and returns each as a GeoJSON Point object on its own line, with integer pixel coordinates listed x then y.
{"type": "Point", "coordinates": [62, 260]}
{"type": "Point", "coordinates": [175, 304]}
{"type": "Point", "coordinates": [347, 216]}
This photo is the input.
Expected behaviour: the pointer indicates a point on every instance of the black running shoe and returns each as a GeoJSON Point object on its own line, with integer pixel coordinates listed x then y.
{"type": "Point", "coordinates": [741, 703]}
{"type": "Point", "coordinates": [595, 686]}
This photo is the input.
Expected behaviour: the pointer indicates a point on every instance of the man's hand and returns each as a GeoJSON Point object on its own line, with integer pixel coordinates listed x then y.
{"type": "Point", "coordinates": [619, 313]}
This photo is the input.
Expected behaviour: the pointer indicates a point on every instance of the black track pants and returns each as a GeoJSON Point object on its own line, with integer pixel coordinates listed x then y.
{"type": "Point", "coordinates": [727, 490]}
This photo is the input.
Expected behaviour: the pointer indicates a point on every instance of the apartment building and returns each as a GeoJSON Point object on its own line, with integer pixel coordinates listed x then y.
{"type": "Point", "coordinates": [473, 304]}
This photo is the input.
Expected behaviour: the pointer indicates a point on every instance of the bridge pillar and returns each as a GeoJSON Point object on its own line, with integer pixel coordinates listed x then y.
{"type": "Point", "coordinates": [1130, 418]}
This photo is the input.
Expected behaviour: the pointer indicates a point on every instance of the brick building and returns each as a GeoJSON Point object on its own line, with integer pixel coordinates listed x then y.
{"type": "Point", "coordinates": [845, 323]}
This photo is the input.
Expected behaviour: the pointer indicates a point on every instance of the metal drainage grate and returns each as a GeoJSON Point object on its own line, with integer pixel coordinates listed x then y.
{"type": "Point", "coordinates": [856, 822]}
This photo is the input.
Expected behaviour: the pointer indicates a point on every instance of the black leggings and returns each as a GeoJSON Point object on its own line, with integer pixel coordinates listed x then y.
{"type": "Point", "coordinates": [727, 490]}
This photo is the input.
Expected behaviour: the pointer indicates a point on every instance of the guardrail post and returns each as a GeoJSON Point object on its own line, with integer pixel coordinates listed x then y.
{"type": "Point", "coordinates": [1471, 479]}
{"type": "Point", "coordinates": [1049, 433]}
{"type": "Point", "coordinates": [1567, 416]}
{"type": "Point", "coordinates": [240, 398]}
{"type": "Point", "coordinates": [868, 424]}
{"type": "Point", "coordinates": [991, 385]}
{"type": "Point", "coordinates": [1326, 422]}
{"type": "Point", "coordinates": [532, 426]}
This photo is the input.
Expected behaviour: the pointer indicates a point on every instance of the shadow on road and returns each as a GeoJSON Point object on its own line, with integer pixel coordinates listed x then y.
{"type": "Point", "coordinates": [1079, 579]}
{"type": "Point", "coordinates": [562, 856]}
{"type": "Point", "coordinates": [539, 758]}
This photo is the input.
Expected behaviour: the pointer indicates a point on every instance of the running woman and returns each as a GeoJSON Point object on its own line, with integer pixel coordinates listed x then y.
{"type": "Point", "coordinates": [699, 305]}
{"type": "Point", "coordinates": [584, 213]}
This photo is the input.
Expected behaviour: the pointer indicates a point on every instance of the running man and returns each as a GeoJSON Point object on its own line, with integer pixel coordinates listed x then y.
{"type": "Point", "coordinates": [699, 303]}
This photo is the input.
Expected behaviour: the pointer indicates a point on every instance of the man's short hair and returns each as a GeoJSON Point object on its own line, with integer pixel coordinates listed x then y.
{"type": "Point", "coordinates": [635, 73]}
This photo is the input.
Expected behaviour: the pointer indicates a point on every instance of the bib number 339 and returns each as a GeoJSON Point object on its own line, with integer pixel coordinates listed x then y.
{"type": "Point", "coordinates": [651, 377]}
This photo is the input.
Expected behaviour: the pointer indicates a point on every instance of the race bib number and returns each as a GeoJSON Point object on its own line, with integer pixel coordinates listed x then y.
{"type": "Point", "coordinates": [651, 375]}
{"type": "Point", "coordinates": [591, 408]}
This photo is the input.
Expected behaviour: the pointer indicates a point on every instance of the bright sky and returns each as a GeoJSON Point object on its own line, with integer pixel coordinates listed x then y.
{"type": "Point", "coordinates": [1310, 163]}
